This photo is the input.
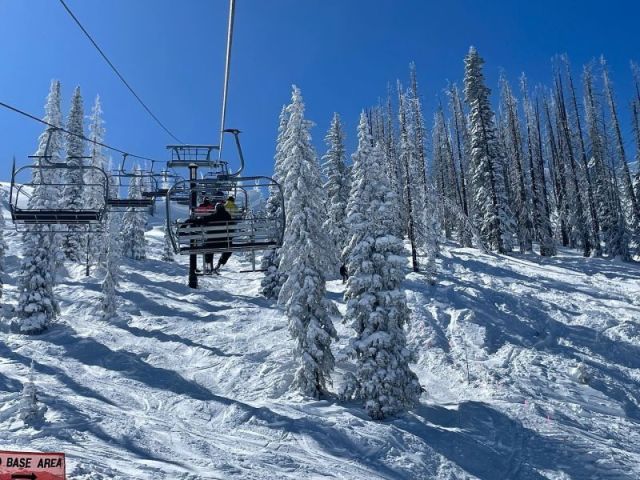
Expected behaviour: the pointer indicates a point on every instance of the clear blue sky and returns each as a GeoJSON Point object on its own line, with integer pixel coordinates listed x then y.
{"type": "Point", "coordinates": [341, 53]}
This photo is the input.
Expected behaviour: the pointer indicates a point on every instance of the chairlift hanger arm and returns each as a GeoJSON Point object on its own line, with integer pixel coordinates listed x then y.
{"type": "Point", "coordinates": [236, 135]}
{"type": "Point", "coordinates": [124, 159]}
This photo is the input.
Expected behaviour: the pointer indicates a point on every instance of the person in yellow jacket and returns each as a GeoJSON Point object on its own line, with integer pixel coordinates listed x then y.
{"type": "Point", "coordinates": [231, 207]}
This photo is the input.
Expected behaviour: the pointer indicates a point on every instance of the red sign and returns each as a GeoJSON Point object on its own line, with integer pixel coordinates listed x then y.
{"type": "Point", "coordinates": [31, 466]}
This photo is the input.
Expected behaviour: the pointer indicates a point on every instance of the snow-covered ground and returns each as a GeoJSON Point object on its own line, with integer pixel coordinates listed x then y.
{"type": "Point", "coordinates": [531, 370]}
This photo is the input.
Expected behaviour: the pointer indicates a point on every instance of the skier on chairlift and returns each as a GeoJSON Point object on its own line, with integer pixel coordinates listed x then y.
{"type": "Point", "coordinates": [231, 207]}
{"type": "Point", "coordinates": [205, 207]}
{"type": "Point", "coordinates": [220, 217]}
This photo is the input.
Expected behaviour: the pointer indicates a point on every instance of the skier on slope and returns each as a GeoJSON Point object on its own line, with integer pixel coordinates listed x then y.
{"type": "Point", "coordinates": [344, 273]}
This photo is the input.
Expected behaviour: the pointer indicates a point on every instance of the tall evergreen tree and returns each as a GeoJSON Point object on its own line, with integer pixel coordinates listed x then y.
{"type": "Point", "coordinates": [443, 175]}
{"type": "Point", "coordinates": [577, 220]}
{"type": "Point", "coordinates": [543, 216]}
{"type": "Point", "coordinates": [273, 278]}
{"type": "Point", "coordinates": [606, 193]}
{"type": "Point", "coordinates": [556, 167]}
{"type": "Point", "coordinates": [356, 211]}
{"type": "Point", "coordinates": [336, 187]}
{"type": "Point", "coordinates": [412, 194]}
{"type": "Point", "coordinates": [461, 143]}
{"type": "Point", "coordinates": [494, 215]}
{"type": "Point", "coordinates": [37, 305]}
{"type": "Point", "coordinates": [74, 192]}
{"type": "Point", "coordinates": [538, 191]}
{"type": "Point", "coordinates": [418, 132]}
{"type": "Point", "coordinates": [576, 126]}
{"type": "Point", "coordinates": [95, 180]}
{"type": "Point", "coordinates": [621, 162]}
{"type": "Point", "coordinates": [392, 163]}
{"type": "Point", "coordinates": [133, 223]}
{"type": "Point", "coordinates": [515, 157]}
{"type": "Point", "coordinates": [109, 303]}
{"type": "Point", "coordinates": [303, 256]}
{"type": "Point", "coordinates": [50, 150]}
{"type": "Point", "coordinates": [376, 303]}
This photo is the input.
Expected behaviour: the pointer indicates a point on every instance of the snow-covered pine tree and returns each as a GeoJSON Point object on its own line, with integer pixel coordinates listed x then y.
{"type": "Point", "coordinates": [515, 158]}
{"type": "Point", "coordinates": [50, 144]}
{"type": "Point", "coordinates": [556, 167]}
{"type": "Point", "coordinates": [133, 223]}
{"type": "Point", "coordinates": [461, 143]}
{"type": "Point", "coordinates": [109, 304]}
{"type": "Point", "coordinates": [303, 256]}
{"type": "Point", "coordinates": [542, 229]}
{"type": "Point", "coordinates": [273, 278]}
{"type": "Point", "coordinates": [495, 218]}
{"type": "Point", "coordinates": [392, 165]}
{"type": "Point", "coordinates": [37, 305]}
{"type": "Point", "coordinates": [441, 173]}
{"type": "Point", "coordinates": [543, 218]}
{"type": "Point", "coordinates": [74, 194]}
{"type": "Point", "coordinates": [411, 194]}
{"type": "Point", "coordinates": [621, 163]}
{"type": "Point", "coordinates": [418, 134]}
{"type": "Point", "coordinates": [31, 411]}
{"type": "Point", "coordinates": [577, 220]}
{"type": "Point", "coordinates": [607, 198]}
{"type": "Point", "coordinates": [95, 180]}
{"type": "Point", "coordinates": [576, 123]}
{"type": "Point", "coordinates": [376, 304]}
{"type": "Point", "coordinates": [336, 188]}
{"type": "Point", "coordinates": [377, 124]}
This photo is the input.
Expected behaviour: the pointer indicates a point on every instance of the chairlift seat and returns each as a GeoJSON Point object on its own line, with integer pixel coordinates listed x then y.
{"type": "Point", "coordinates": [198, 163]}
{"type": "Point", "coordinates": [130, 202]}
{"type": "Point", "coordinates": [221, 237]}
{"type": "Point", "coordinates": [161, 192]}
{"type": "Point", "coordinates": [56, 216]}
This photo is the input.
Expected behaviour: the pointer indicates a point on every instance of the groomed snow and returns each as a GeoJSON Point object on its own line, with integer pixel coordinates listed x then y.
{"type": "Point", "coordinates": [531, 369]}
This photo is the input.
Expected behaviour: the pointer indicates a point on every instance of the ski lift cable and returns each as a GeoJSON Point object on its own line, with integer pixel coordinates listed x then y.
{"type": "Point", "coordinates": [94, 142]}
{"type": "Point", "coordinates": [117, 72]}
{"type": "Point", "coordinates": [227, 72]}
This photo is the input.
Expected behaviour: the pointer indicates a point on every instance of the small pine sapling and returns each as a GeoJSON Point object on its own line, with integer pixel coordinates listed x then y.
{"type": "Point", "coordinates": [31, 411]}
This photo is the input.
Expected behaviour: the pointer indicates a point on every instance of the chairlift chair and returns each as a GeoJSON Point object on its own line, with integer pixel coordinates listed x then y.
{"type": "Point", "coordinates": [49, 175]}
{"type": "Point", "coordinates": [123, 178]}
{"type": "Point", "coordinates": [249, 231]}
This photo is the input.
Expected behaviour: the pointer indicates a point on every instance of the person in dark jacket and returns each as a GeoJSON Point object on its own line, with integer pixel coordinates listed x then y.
{"type": "Point", "coordinates": [224, 257]}
{"type": "Point", "coordinates": [220, 218]}
{"type": "Point", "coordinates": [344, 273]}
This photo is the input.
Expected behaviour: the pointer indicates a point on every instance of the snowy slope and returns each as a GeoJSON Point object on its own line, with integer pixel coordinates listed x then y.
{"type": "Point", "coordinates": [194, 384]}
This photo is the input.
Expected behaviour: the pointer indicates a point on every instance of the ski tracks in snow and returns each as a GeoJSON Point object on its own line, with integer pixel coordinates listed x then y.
{"type": "Point", "coordinates": [526, 325]}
